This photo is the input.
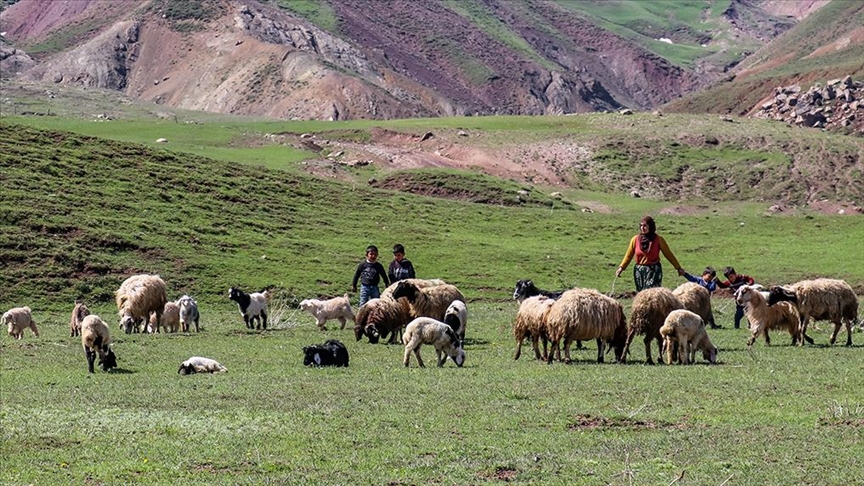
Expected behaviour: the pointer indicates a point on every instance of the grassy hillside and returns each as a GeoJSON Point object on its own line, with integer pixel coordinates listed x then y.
{"type": "Point", "coordinates": [79, 214]}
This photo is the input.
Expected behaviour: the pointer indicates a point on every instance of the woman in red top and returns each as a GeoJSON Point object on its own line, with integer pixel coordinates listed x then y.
{"type": "Point", "coordinates": [646, 247]}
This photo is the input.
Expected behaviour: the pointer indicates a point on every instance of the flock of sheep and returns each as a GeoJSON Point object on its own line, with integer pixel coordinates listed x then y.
{"type": "Point", "coordinates": [674, 318]}
{"type": "Point", "coordinates": [417, 312]}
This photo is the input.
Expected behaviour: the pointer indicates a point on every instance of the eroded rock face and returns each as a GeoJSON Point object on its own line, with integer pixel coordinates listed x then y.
{"type": "Point", "coordinates": [839, 103]}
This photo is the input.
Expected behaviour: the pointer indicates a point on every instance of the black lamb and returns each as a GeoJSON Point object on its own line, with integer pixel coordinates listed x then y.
{"type": "Point", "coordinates": [331, 353]}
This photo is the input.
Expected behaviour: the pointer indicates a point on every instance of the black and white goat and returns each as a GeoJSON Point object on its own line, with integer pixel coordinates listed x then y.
{"type": "Point", "coordinates": [331, 353]}
{"type": "Point", "coordinates": [252, 306]}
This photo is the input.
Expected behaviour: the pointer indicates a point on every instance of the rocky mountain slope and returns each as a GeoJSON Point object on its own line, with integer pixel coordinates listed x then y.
{"type": "Point", "coordinates": [351, 59]}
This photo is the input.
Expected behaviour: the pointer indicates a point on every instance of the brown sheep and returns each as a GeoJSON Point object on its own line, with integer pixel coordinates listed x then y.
{"type": "Point", "coordinates": [821, 299]}
{"type": "Point", "coordinates": [378, 318]}
{"type": "Point", "coordinates": [530, 322]}
{"type": "Point", "coordinates": [649, 311]}
{"type": "Point", "coordinates": [95, 338]}
{"type": "Point", "coordinates": [696, 298]}
{"type": "Point", "coordinates": [584, 314]}
{"type": "Point", "coordinates": [17, 319]}
{"type": "Point", "coordinates": [170, 319]}
{"type": "Point", "coordinates": [78, 314]}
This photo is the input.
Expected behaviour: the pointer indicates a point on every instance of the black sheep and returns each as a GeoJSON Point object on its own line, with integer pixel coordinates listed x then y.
{"type": "Point", "coordinates": [331, 353]}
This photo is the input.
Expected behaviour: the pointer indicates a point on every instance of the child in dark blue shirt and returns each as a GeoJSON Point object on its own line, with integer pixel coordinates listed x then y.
{"type": "Point", "coordinates": [369, 272]}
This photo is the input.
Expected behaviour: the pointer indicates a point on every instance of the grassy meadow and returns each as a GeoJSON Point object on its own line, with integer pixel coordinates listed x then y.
{"type": "Point", "coordinates": [86, 204]}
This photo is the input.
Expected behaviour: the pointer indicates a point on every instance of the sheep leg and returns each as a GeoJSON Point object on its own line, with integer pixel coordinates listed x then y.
{"type": "Point", "coordinates": [419, 359]}
{"type": "Point", "coordinates": [519, 349]}
{"type": "Point", "coordinates": [837, 325]}
{"type": "Point", "coordinates": [669, 344]}
{"type": "Point", "coordinates": [36, 331]}
{"type": "Point", "coordinates": [442, 358]}
{"type": "Point", "coordinates": [91, 357]}
{"type": "Point", "coordinates": [535, 344]}
{"type": "Point", "coordinates": [630, 335]}
{"type": "Point", "coordinates": [552, 351]}
{"type": "Point", "coordinates": [648, 359]}
{"type": "Point", "coordinates": [684, 351]}
{"type": "Point", "coordinates": [767, 337]}
{"type": "Point", "coordinates": [849, 324]}
{"type": "Point", "coordinates": [342, 321]}
{"type": "Point", "coordinates": [545, 344]}
{"type": "Point", "coordinates": [321, 324]}
{"type": "Point", "coordinates": [600, 345]}
{"type": "Point", "coordinates": [263, 318]}
{"type": "Point", "coordinates": [567, 343]}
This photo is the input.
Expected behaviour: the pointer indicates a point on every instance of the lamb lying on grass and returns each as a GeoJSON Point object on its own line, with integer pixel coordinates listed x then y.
{"type": "Point", "coordinates": [197, 364]}
{"type": "Point", "coordinates": [331, 353]}
{"type": "Point", "coordinates": [338, 308]}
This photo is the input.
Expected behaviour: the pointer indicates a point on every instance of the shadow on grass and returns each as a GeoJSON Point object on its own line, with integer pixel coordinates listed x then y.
{"type": "Point", "coordinates": [121, 371]}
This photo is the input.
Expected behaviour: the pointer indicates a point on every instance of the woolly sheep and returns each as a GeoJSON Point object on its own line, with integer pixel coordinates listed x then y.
{"type": "Point", "coordinates": [95, 339]}
{"type": "Point", "coordinates": [137, 297]}
{"type": "Point", "coordinates": [426, 330]}
{"type": "Point", "coordinates": [456, 316]}
{"type": "Point", "coordinates": [253, 307]}
{"type": "Point", "coordinates": [584, 314]}
{"type": "Point", "coordinates": [427, 301]}
{"type": "Point", "coordinates": [188, 312]}
{"type": "Point", "coordinates": [338, 308]}
{"type": "Point", "coordinates": [531, 322]}
{"type": "Point", "coordinates": [387, 315]}
{"type": "Point", "coordinates": [687, 330]}
{"type": "Point", "coordinates": [197, 364]}
{"type": "Point", "coordinates": [17, 319]}
{"type": "Point", "coordinates": [762, 317]}
{"type": "Point", "coordinates": [647, 315]}
{"type": "Point", "coordinates": [170, 321]}
{"type": "Point", "coordinates": [79, 312]}
{"type": "Point", "coordinates": [821, 299]}
{"type": "Point", "coordinates": [696, 298]}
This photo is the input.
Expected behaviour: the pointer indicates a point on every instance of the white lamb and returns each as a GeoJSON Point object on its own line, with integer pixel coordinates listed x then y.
{"type": "Point", "coordinates": [197, 364]}
{"type": "Point", "coordinates": [687, 330]}
{"type": "Point", "coordinates": [425, 330]}
{"type": "Point", "coordinates": [188, 312]}
{"type": "Point", "coordinates": [18, 319]}
{"type": "Point", "coordinates": [338, 308]}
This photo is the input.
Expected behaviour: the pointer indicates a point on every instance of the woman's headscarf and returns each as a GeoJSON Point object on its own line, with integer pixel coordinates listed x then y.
{"type": "Point", "coordinates": [645, 239]}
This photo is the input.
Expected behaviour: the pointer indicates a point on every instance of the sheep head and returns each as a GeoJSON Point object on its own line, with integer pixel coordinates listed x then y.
{"type": "Point", "coordinates": [186, 369]}
{"type": "Point", "coordinates": [405, 289]}
{"type": "Point", "coordinates": [780, 294]}
{"type": "Point", "coordinates": [523, 289]}
{"type": "Point", "coordinates": [107, 359]}
{"type": "Point", "coordinates": [710, 354]}
{"type": "Point", "coordinates": [127, 322]}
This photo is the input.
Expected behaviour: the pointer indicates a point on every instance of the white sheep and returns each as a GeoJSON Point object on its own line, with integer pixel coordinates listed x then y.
{"type": "Point", "coordinates": [188, 312]}
{"type": "Point", "coordinates": [647, 315]}
{"type": "Point", "coordinates": [170, 320]}
{"type": "Point", "coordinates": [79, 312]}
{"type": "Point", "coordinates": [253, 307]}
{"type": "Point", "coordinates": [762, 317]}
{"type": "Point", "coordinates": [137, 297]}
{"type": "Point", "coordinates": [17, 319]}
{"type": "Point", "coordinates": [585, 314]}
{"type": "Point", "coordinates": [197, 364]}
{"type": "Point", "coordinates": [531, 322]}
{"type": "Point", "coordinates": [456, 316]}
{"type": "Point", "coordinates": [821, 299]}
{"type": "Point", "coordinates": [696, 298]}
{"type": "Point", "coordinates": [95, 339]}
{"type": "Point", "coordinates": [687, 330]}
{"type": "Point", "coordinates": [338, 308]}
{"type": "Point", "coordinates": [427, 301]}
{"type": "Point", "coordinates": [425, 330]}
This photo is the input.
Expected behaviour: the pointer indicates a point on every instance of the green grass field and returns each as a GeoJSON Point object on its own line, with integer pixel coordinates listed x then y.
{"type": "Point", "coordinates": [82, 209]}
{"type": "Point", "coordinates": [771, 415]}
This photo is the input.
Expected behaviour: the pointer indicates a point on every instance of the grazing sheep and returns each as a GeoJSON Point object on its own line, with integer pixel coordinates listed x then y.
{"type": "Point", "coordinates": [331, 353]}
{"type": "Point", "coordinates": [687, 330]}
{"type": "Point", "coordinates": [170, 320]}
{"type": "Point", "coordinates": [188, 312]}
{"type": "Point", "coordinates": [17, 319]}
{"type": "Point", "coordinates": [95, 339]}
{"type": "Point", "coordinates": [426, 330]}
{"type": "Point", "coordinates": [764, 317]}
{"type": "Point", "coordinates": [427, 301]}
{"type": "Point", "coordinates": [78, 314]}
{"type": "Point", "coordinates": [649, 311]}
{"type": "Point", "coordinates": [584, 314]}
{"type": "Point", "coordinates": [821, 299]}
{"type": "Point", "coordinates": [531, 322]}
{"type": "Point", "coordinates": [137, 297]}
{"type": "Point", "coordinates": [253, 307]}
{"type": "Point", "coordinates": [387, 315]}
{"type": "Point", "coordinates": [696, 298]}
{"type": "Point", "coordinates": [197, 364]}
{"type": "Point", "coordinates": [338, 308]}
{"type": "Point", "coordinates": [526, 288]}
{"type": "Point", "coordinates": [456, 316]}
